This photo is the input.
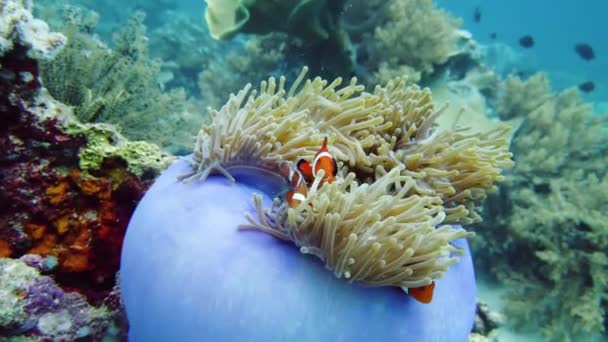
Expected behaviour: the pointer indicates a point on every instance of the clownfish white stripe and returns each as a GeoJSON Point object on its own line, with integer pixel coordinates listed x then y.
{"type": "Point", "coordinates": [298, 197]}
{"type": "Point", "coordinates": [296, 173]}
{"type": "Point", "coordinates": [317, 158]}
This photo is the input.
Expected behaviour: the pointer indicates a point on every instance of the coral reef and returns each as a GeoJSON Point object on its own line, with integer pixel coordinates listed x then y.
{"type": "Point", "coordinates": [374, 42]}
{"type": "Point", "coordinates": [402, 42]}
{"type": "Point", "coordinates": [68, 188]}
{"type": "Point", "coordinates": [385, 138]}
{"type": "Point", "coordinates": [552, 213]}
{"type": "Point", "coordinates": [19, 28]}
{"type": "Point", "coordinates": [118, 85]}
{"type": "Point", "coordinates": [34, 307]}
{"type": "Point", "coordinates": [517, 98]}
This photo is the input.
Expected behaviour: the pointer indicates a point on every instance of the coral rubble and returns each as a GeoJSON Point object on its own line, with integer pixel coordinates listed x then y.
{"type": "Point", "coordinates": [391, 159]}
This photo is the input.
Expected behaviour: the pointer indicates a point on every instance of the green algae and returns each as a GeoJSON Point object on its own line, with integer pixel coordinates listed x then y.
{"type": "Point", "coordinates": [104, 142]}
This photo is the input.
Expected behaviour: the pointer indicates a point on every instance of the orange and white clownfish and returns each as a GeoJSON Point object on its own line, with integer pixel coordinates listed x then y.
{"type": "Point", "coordinates": [297, 195]}
{"type": "Point", "coordinates": [423, 294]}
{"type": "Point", "coordinates": [293, 174]}
{"type": "Point", "coordinates": [298, 187]}
{"type": "Point", "coordinates": [323, 161]}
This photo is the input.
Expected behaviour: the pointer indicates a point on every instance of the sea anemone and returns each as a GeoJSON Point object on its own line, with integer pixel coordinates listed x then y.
{"type": "Point", "coordinates": [384, 222]}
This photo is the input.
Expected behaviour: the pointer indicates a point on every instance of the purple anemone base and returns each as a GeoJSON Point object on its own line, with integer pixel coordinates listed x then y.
{"type": "Point", "coordinates": [188, 274]}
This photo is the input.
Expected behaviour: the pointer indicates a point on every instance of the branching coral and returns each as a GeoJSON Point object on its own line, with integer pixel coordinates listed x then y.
{"type": "Point", "coordinates": [415, 36]}
{"type": "Point", "coordinates": [552, 213]}
{"type": "Point", "coordinates": [516, 98]}
{"type": "Point", "coordinates": [416, 177]}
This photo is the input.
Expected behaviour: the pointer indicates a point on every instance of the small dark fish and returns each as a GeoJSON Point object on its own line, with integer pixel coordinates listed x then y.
{"type": "Point", "coordinates": [526, 41]}
{"type": "Point", "coordinates": [493, 35]}
{"type": "Point", "coordinates": [587, 87]}
{"type": "Point", "coordinates": [477, 14]}
{"type": "Point", "coordinates": [585, 51]}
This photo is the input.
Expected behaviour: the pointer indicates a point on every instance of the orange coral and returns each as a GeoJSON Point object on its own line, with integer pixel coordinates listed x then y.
{"type": "Point", "coordinates": [80, 219]}
{"type": "Point", "coordinates": [62, 224]}
{"type": "Point", "coordinates": [57, 193]}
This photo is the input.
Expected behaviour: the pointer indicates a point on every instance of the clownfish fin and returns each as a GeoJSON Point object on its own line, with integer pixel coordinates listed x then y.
{"type": "Point", "coordinates": [324, 146]}
{"type": "Point", "coordinates": [335, 172]}
{"type": "Point", "coordinates": [306, 169]}
{"type": "Point", "coordinates": [423, 294]}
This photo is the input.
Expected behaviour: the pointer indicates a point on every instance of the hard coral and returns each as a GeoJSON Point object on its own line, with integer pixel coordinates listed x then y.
{"type": "Point", "coordinates": [19, 28]}
{"type": "Point", "coordinates": [79, 218]}
{"type": "Point", "coordinates": [552, 213]}
{"type": "Point", "coordinates": [385, 139]}
{"type": "Point", "coordinates": [414, 36]}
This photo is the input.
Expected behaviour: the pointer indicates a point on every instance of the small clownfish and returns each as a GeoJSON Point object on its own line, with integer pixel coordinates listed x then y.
{"type": "Point", "coordinates": [293, 174]}
{"type": "Point", "coordinates": [323, 161]}
{"type": "Point", "coordinates": [423, 294]}
{"type": "Point", "coordinates": [299, 188]}
{"type": "Point", "coordinates": [297, 196]}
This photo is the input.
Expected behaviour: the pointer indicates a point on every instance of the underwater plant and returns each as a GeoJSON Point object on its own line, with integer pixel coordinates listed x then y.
{"type": "Point", "coordinates": [381, 217]}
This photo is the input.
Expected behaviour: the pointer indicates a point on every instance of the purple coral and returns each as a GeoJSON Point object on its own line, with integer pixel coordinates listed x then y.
{"type": "Point", "coordinates": [38, 307]}
{"type": "Point", "coordinates": [43, 296]}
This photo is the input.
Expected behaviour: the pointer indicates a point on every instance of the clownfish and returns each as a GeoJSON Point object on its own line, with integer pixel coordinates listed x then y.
{"type": "Point", "coordinates": [323, 161]}
{"type": "Point", "coordinates": [297, 196]}
{"type": "Point", "coordinates": [423, 294]}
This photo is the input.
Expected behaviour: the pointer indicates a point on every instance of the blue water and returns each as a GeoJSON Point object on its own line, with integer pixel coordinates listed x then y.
{"type": "Point", "coordinates": [556, 25]}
